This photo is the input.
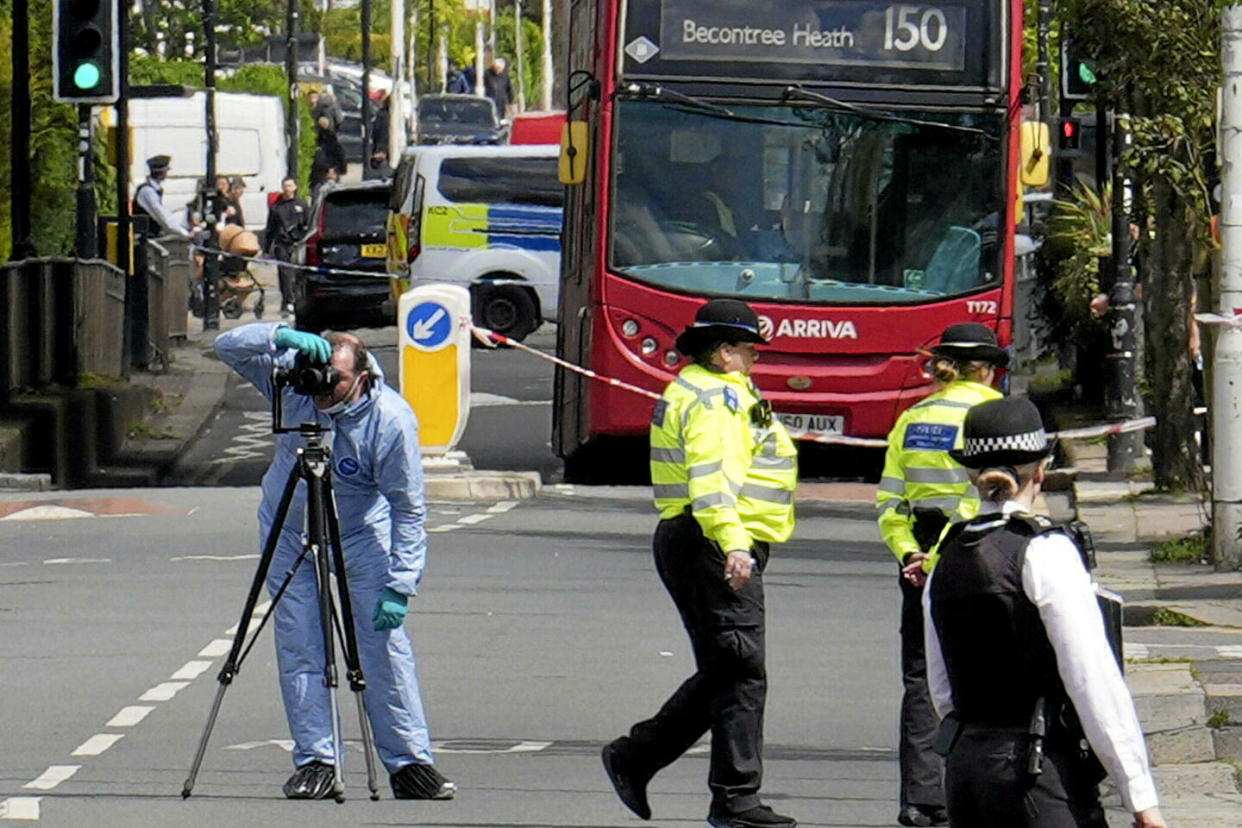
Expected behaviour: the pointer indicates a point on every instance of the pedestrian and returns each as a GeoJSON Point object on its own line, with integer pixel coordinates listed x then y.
{"type": "Point", "coordinates": [379, 138]}
{"type": "Point", "coordinates": [149, 198]}
{"type": "Point", "coordinates": [287, 224]}
{"type": "Point", "coordinates": [496, 85]}
{"type": "Point", "coordinates": [456, 82]}
{"type": "Point", "coordinates": [378, 487]}
{"type": "Point", "coordinates": [323, 105]}
{"type": "Point", "coordinates": [723, 473]}
{"type": "Point", "coordinates": [1018, 660]}
{"type": "Point", "coordinates": [234, 190]}
{"type": "Point", "coordinates": [922, 490]}
{"type": "Point", "coordinates": [329, 155]}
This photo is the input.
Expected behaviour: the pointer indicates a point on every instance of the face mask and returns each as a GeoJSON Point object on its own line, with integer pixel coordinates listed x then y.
{"type": "Point", "coordinates": [340, 405]}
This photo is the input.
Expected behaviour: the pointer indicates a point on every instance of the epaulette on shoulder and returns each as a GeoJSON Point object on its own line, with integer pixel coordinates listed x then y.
{"type": "Point", "coordinates": [1033, 524]}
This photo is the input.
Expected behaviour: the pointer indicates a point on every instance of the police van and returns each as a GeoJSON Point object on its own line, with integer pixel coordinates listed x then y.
{"type": "Point", "coordinates": [484, 217]}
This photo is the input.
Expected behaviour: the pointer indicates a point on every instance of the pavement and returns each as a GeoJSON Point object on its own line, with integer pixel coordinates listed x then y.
{"type": "Point", "coordinates": [1183, 620]}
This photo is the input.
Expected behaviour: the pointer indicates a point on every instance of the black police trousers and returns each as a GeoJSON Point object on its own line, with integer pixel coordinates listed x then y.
{"type": "Point", "coordinates": [727, 691]}
{"type": "Point", "coordinates": [987, 785]}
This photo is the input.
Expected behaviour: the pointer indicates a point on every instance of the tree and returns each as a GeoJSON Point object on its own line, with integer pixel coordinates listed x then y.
{"type": "Point", "coordinates": [1160, 62]}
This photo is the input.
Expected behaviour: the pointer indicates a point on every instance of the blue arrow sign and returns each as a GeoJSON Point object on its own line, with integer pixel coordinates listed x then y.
{"type": "Point", "coordinates": [429, 324]}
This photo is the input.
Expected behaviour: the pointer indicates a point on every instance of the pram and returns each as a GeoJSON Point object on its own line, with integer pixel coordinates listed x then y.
{"type": "Point", "coordinates": [236, 281]}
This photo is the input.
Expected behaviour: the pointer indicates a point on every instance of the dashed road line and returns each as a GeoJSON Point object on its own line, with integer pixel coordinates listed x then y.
{"type": "Point", "coordinates": [502, 507]}
{"type": "Point", "coordinates": [191, 671]}
{"type": "Point", "coordinates": [20, 808]}
{"type": "Point", "coordinates": [129, 716]}
{"type": "Point", "coordinates": [164, 691]}
{"type": "Point", "coordinates": [216, 648]}
{"type": "Point", "coordinates": [470, 520]}
{"type": "Point", "coordinates": [53, 776]}
{"type": "Point", "coordinates": [251, 557]}
{"type": "Point", "coordinates": [97, 744]}
{"type": "Point", "coordinates": [448, 527]}
{"type": "Point", "coordinates": [62, 561]}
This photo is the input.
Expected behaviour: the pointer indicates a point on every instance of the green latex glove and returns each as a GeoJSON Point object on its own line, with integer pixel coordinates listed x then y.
{"type": "Point", "coordinates": [316, 348]}
{"type": "Point", "coordinates": [390, 610]}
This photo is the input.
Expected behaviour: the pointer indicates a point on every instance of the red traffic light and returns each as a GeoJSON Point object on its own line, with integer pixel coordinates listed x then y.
{"type": "Point", "coordinates": [1070, 134]}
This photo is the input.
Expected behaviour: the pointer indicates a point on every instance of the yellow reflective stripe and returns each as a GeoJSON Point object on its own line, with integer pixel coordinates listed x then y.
{"type": "Point", "coordinates": [892, 484]}
{"type": "Point", "coordinates": [757, 492]}
{"type": "Point", "coordinates": [943, 402]}
{"type": "Point", "coordinates": [944, 504]}
{"type": "Point", "coordinates": [667, 455]}
{"type": "Point", "coordinates": [704, 469]}
{"type": "Point", "coordinates": [955, 475]}
{"type": "Point", "coordinates": [669, 491]}
{"type": "Point", "coordinates": [714, 499]}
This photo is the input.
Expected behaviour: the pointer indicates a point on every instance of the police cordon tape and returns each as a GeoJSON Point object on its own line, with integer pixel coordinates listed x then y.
{"type": "Point", "coordinates": [491, 339]}
{"type": "Point", "coordinates": [198, 248]}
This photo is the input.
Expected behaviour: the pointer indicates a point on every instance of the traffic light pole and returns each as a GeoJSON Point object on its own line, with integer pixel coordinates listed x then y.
{"type": "Point", "coordinates": [19, 152]}
{"type": "Point", "coordinates": [291, 73]}
{"type": "Point", "coordinates": [213, 207]}
{"type": "Point", "coordinates": [1122, 399]}
{"type": "Point", "coordinates": [86, 245]}
{"type": "Point", "coordinates": [367, 149]}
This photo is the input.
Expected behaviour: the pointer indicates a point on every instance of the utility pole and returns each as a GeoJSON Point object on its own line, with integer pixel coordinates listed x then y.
{"type": "Point", "coordinates": [367, 149]}
{"type": "Point", "coordinates": [1227, 355]}
{"type": "Point", "coordinates": [291, 75]}
{"type": "Point", "coordinates": [1122, 401]}
{"type": "Point", "coordinates": [491, 26]}
{"type": "Point", "coordinates": [1043, 71]}
{"type": "Point", "coordinates": [396, 99]}
{"type": "Point", "coordinates": [548, 80]}
{"type": "Point", "coordinates": [212, 207]}
{"type": "Point", "coordinates": [19, 153]}
{"type": "Point", "coordinates": [520, 57]}
{"type": "Point", "coordinates": [123, 223]}
{"type": "Point", "coordinates": [478, 54]}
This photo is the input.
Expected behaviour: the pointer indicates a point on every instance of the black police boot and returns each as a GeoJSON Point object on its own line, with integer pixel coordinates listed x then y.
{"type": "Point", "coordinates": [311, 781]}
{"type": "Point", "coordinates": [760, 816]}
{"type": "Point", "coordinates": [418, 781]}
{"type": "Point", "coordinates": [631, 787]}
{"type": "Point", "coordinates": [923, 815]}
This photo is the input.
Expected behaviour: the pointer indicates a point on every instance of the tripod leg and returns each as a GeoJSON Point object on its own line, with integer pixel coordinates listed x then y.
{"type": "Point", "coordinates": [316, 496]}
{"type": "Point", "coordinates": [233, 662]}
{"type": "Point", "coordinates": [349, 640]}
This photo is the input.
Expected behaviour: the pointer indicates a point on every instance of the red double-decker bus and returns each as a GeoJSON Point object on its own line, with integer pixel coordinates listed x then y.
{"type": "Point", "coordinates": [848, 167]}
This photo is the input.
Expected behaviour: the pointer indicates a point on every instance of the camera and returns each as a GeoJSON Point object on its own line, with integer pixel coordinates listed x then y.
{"type": "Point", "coordinates": [308, 378]}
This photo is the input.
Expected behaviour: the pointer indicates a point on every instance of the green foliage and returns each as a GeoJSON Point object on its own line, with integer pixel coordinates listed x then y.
{"type": "Point", "coordinates": [1079, 232]}
{"type": "Point", "coordinates": [1165, 617]}
{"type": "Point", "coordinates": [1219, 719]}
{"type": "Point", "coordinates": [1192, 548]}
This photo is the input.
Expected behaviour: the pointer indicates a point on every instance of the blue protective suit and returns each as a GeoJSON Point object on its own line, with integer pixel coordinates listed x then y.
{"type": "Point", "coordinates": [378, 483]}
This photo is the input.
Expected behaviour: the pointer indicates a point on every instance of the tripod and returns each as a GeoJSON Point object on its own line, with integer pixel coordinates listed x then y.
{"type": "Point", "coordinates": [324, 532]}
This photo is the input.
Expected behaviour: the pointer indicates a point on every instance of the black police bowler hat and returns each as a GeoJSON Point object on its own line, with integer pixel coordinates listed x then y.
{"type": "Point", "coordinates": [158, 163]}
{"type": "Point", "coordinates": [720, 320]}
{"type": "Point", "coordinates": [1004, 432]}
{"type": "Point", "coordinates": [971, 341]}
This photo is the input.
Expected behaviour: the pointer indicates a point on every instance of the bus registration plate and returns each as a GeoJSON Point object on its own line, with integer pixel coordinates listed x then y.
{"type": "Point", "coordinates": [820, 423]}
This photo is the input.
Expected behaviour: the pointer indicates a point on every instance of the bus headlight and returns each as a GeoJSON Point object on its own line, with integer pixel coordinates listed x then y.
{"type": "Point", "coordinates": [672, 358]}
{"type": "Point", "coordinates": [648, 346]}
{"type": "Point", "coordinates": [630, 327]}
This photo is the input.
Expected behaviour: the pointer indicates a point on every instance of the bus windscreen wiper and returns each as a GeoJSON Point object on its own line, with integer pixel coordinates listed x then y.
{"type": "Point", "coordinates": [651, 90]}
{"type": "Point", "coordinates": [798, 93]}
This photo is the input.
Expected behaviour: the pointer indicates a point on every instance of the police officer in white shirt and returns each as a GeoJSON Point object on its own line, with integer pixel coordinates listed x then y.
{"type": "Point", "coordinates": [1018, 661]}
{"type": "Point", "coordinates": [149, 198]}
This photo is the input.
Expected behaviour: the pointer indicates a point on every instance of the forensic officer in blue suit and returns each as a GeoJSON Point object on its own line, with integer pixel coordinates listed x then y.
{"type": "Point", "coordinates": [378, 485]}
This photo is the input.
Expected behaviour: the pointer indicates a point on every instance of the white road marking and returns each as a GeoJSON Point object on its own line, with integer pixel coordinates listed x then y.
{"type": "Point", "coordinates": [485, 400]}
{"type": "Point", "coordinates": [97, 744]}
{"type": "Point", "coordinates": [15, 563]}
{"type": "Point", "coordinates": [284, 744]}
{"type": "Point", "coordinates": [164, 691]}
{"type": "Point", "coordinates": [130, 716]}
{"type": "Point", "coordinates": [53, 776]}
{"type": "Point", "coordinates": [20, 807]}
{"type": "Point", "coordinates": [1134, 650]}
{"type": "Point", "coordinates": [191, 671]}
{"type": "Point", "coordinates": [448, 527]}
{"type": "Point", "coordinates": [216, 557]}
{"type": "Point", "coordinates": [502, 506]}
{"type": "Point", "coordinates": [215, 649]}
{"type": "Point", "coordinates": [60, 561]}
{"type": "Point", "coordinates": [473, 519]}
{"type": "Point", "coordinates": [521, 747]}
{"type": "Point", "coordinates": [48, 512]}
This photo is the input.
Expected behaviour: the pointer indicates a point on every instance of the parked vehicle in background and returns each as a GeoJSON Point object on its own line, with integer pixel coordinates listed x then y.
{"type": "Point", "coordinates": [251, 131]}
{"type": "Point", "coordinates": [487, 218]}
{"type": "Point", "coordinates": [457, 119]}
{"type": "Point", "coordinates": [537, 127]}
{"type": "Point", "coordinates": [348, 234]}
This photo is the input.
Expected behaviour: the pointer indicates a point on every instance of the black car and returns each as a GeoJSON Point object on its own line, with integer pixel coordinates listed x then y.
{"type": "Point", "coordinates": [458, 119]}
{"type": "Point", "coordinates": [346, 246]}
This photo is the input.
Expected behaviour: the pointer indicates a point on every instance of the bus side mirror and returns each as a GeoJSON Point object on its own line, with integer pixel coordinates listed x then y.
{"type": "Point", "coordinates": [1035, 145]}
{"type": "Point", "coordinates": [574, 151]}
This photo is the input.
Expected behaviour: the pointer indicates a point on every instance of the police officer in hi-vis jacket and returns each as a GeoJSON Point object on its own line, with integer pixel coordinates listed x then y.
{"type": "Point", "coordinates": [921, 491]}
{"type": "Point", "coordinates": [723, 473]}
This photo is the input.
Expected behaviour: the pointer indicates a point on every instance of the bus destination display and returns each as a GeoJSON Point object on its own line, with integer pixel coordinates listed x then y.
{"type": "Point", "coordinates": [939, 40]}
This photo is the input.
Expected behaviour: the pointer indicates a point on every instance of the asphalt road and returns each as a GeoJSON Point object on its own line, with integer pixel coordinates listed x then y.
{"type": "Point", "coordinates": [541, 633]}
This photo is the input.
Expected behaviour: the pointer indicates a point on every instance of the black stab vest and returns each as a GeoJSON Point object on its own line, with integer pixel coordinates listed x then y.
{"type": "Point", "coordinates": [995, 647]}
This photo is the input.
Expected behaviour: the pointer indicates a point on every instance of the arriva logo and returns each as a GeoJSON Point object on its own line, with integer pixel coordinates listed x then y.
{"type": "Point", "coordinates": [807, 328]}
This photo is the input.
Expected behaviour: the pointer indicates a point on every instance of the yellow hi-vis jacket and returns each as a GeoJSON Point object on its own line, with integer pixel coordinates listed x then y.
{"type": "Point", "coordinates": [738, 478]}
{"type": "Point", "coordinates": [918, 471]}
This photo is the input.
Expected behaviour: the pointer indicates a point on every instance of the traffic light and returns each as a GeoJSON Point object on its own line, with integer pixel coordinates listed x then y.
{"type": "Point", "coordinates": [85, 55]}
{"type": "Point", "coordinates": [1069, 136]}
{"type": "Point", "coordinates": [1079, 73]}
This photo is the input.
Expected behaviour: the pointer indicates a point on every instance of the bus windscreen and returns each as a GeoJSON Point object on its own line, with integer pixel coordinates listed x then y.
{"type": "Point", "coordinates": [808, 204]}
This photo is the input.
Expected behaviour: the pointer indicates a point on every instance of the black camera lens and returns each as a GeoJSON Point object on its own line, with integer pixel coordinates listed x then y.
{"type": "Point", "coordinates": [312, 379]}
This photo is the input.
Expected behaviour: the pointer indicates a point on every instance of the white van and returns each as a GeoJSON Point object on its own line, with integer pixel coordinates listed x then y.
{"type": "Point", "coordinates": [487, 218]}
{"type": "Point", "coordinates": [251, 130]}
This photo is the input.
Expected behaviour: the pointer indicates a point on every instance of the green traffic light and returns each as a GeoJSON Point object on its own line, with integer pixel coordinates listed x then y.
{"type": "Point", "coordinates": [87, 75]}
{"type": "Point", "coordinates": [1086, 75]}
